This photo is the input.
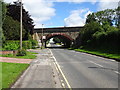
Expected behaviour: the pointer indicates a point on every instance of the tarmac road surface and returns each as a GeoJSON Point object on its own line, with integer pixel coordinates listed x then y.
{"type": "Point", "coordinates": [87, 71]}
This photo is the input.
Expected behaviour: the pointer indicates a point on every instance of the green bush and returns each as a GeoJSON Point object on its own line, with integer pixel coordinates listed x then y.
{"type": "Point", "coordinates": [27, 44]}
{"type": "Point", "coordinates": [22, 52]}
{"type": "Point", "coordinates": [34, 43]}
{"type": "Point", "coordinates": [11, 45]}
{"type": "Point", "coordinates": [15, 45]}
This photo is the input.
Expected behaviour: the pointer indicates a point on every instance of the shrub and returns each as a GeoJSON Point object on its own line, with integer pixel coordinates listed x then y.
{"type": "Point", "coordinates": [34, 43]}
{"type": "Point", "coordinates": [15, 45]}
{"type": "Point", "coordinates": [11, 45]}
{"type": "Point", "coordinates": [22, 52]}
{"type": "Point", "coordinates": [27, 44]}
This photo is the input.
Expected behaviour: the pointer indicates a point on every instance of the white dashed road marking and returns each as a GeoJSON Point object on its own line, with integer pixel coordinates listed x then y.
{"type": "Point", "coordinates": [117, 72]}
{"type": "Point", "coordinates": [96, 63]}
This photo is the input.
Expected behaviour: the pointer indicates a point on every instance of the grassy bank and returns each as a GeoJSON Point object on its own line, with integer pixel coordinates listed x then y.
{"type": "Point", "coordinates": [30, 55]}
{"type": "Point", "coordinates": [99, 53]}
{"type": "Point", "coordinates": [11, 72]}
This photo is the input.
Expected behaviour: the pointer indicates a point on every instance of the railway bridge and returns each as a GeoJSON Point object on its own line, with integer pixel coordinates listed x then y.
{"type": "Point", "coordinates": [68, 34]}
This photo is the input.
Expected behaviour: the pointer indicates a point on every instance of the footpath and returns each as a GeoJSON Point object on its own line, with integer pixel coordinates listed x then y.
{"type": "Point", "coordinates": [41, 73]}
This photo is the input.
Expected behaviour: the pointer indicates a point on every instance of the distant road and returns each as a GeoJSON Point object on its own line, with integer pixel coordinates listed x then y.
{"type": "Point", "coordinates": [53, 45]}
{"type": "Point", "coordinates": [87, 71]}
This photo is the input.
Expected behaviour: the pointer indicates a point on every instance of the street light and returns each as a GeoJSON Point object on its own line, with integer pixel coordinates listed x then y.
{"type": "Point", "coordinates": [20, 1]}
{"type": "Point", "coordinates": [42, 36]}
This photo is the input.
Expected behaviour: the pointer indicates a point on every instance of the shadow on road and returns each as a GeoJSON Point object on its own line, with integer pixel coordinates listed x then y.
{"type": "Point", "coordinates": [102, 68]}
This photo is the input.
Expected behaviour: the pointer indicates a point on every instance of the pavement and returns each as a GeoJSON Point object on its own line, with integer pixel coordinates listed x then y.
{"type": "Point", "coordinates": [40, 74]}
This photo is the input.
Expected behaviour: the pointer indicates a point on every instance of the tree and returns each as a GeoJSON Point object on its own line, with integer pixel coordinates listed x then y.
{"type": "Point", "coordinates": [14, 12]}
{"type": "Point", "coordinates": [86, 34]}
{"type": "Point", "coordinates": [11, 29]}
{"type": "Point", "coordinates": [91, 18]}
{"type": "Point", "coordinates": [56, 40]}
{"type": "Point", "coordinates": [102, 16]}
{"type": "Point", "coordinates": [101, 32]}
{"type": "Point", "coordinates": [3, 10]}
{"type": "Point", "coordinates": [117, 17]}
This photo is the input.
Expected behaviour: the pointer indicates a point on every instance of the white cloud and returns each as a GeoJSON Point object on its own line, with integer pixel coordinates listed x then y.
{"type": "Point", "coordinates": [43, 10]}
{"type": "Point", "coordinates": [77, 17]}
{"type": "Point", "coordinates": [40, 10]}
{"type": "Point", "coordinates": [107, 4]}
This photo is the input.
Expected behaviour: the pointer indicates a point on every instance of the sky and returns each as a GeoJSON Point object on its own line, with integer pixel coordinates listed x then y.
{"type": "Point", "coordinates": [59, 13]}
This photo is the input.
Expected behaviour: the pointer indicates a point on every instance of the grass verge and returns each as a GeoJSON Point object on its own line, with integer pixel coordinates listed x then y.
{"type": "Point", "coordinates": [99, 53]}
{"type": "Point", "coordinates": [11, 72]}
{"type": "Point", "coordinates": [30, 55]}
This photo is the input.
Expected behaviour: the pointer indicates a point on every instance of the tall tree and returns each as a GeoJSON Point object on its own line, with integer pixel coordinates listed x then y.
{"type": "Point", "coordinates": [11, 29]}
{"type": "Point", "coordinates": [117, 17]}
{"type": "Point", "coordinates": [14, 12]}
{"type": "Point", "coordinates": [102, 17]}
{"type": "Point", "coordinates": [91, 18]}
{"type": "Point", "coordinates": [3, 10]}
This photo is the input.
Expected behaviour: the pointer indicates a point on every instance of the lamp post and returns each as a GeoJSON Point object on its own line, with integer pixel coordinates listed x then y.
{"type": "Point", "coordinates": [20, 1]}
{"type": "Point", "coordinates": [42, 36]}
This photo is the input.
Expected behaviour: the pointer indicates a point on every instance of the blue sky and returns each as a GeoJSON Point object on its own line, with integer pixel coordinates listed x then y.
{"type": "Point", "coordinates": [63, 10]}
{"type": "Point", "coordinates": [56, 13]}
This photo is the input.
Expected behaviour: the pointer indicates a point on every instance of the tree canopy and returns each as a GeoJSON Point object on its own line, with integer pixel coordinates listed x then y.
{"type": "Point", "coordinates": [101, 31]}
{"type": "Point", "coordinates": [111, 16]}
{"type": "Point", "coordinates": [14, 12]}
{"type": "Point", "coordinates": [11, 29]}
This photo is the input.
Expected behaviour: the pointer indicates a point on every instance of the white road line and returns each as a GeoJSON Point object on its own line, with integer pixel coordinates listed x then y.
{"type": "Point", "coordinates": [96, 63]}
{"type": "Point", "coordinates": [117, 72]}
{"type": "Point", "coordinates": [112, 60]}
{"type": "Point", "coordinates": [58, 66]}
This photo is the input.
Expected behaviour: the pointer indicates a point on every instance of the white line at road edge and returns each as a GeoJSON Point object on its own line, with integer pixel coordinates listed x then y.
{"type": "Point", "coordinates": [96, 63]}
{"type": "Point", "coordinates": [61, 71]}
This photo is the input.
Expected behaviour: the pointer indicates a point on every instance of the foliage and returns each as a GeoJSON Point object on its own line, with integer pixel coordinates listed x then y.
{"type": "Point", "coordinates": [109, 15]}
{"type": "Point", "coordinates": [100, 32]}
{"type": "Point", "coordinates": [56, 40]}
{"type": "Point", "coordinates": [11, 45]}
{"type": "Point", "coordinates": [3, 11]}
{"type": "Point", "coordinates": [11, 29]}
{"type": "Point", "coordinates": [21, 52]}
{"type": "Point", "coordinates": [117, 17]}
{"type": "Point", "coordinates": [14, 12]}
{"type": "Point", "coordinates": [2, 37]}
{"type": "Point", "coordinates": [15, 45]}
{"type": "Point", "coordinates": [34, 43]}
{"type": "Point", "coordinates": [11, 72]}
{"type": "Point", "coordinates": [27, 44]}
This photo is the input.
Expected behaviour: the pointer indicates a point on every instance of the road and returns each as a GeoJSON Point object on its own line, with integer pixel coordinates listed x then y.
{"type": "Point", "coordinates": [53, 45]}
{"type": "Point", "coordinates": [87, 71]}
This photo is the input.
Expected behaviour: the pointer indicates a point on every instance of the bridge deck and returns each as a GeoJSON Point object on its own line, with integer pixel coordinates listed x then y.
{"type": "Point", "coordinates": [58, 29]}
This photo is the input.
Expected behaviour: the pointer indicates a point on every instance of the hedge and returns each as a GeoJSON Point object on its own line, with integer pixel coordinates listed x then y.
{"type": "Point", "coordinates": [15, 45]}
